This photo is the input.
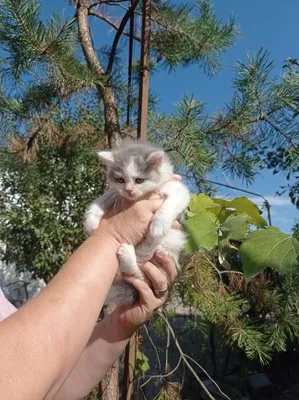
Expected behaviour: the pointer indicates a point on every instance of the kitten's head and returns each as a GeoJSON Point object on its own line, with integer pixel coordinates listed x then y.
{"type": "Point", "coordinates": [136, 168]}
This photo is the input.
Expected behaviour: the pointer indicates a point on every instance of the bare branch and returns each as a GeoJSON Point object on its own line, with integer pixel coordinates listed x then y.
{"type": "Point", "coordinates": [154, 347]}
{"type": "Point", "coordinates": [98, 2]}
{"type": "Point", "coordinates": [119, 33]}
{"type": "Point", "coordinates": [162, 376]}
{"type": "Point", "coordinates": [111, 23]}
{"type": "Point", "coordinates": [184, 357]}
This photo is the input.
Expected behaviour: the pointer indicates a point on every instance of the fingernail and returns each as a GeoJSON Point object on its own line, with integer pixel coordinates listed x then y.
{"type": "Point", "coordinates": [161, 253]}
{"type": "Point", "coordinates": [141, 263]}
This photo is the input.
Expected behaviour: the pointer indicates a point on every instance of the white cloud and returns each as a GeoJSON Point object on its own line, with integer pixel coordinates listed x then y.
{"type": "Point", "coordinates": [273, 200]}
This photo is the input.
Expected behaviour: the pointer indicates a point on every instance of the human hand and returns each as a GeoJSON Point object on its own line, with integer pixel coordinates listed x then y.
{"type": "Point", "coordinates": [130, 317]}
{"type": "Point", "coordinates": [129, 223]}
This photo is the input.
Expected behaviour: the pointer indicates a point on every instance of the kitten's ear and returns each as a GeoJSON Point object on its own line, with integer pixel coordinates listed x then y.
{"type": "Point", "coordinates": [106, 157]}
{"type": "Point", "coordinates": [156, 158]}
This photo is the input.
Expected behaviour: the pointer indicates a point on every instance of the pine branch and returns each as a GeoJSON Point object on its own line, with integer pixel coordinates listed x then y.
{"type": "Point", "coordinates": [45, 118]}
{"type": "Point", "coordinates": [181, 39]}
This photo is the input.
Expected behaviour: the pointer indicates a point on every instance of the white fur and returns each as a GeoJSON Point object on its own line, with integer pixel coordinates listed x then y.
{"type": "Point", "coordinates": [97, 209]}
{"type": "Point", "coordinates": [128, 260]}
{"type": "Point", "coordinates": [161, 235]}
{"type": "Point", "coordinates": [132, 169]}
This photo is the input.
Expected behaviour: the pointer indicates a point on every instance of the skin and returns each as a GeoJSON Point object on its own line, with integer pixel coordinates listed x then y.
{"type": "Point", "coordinates": [54, 348]}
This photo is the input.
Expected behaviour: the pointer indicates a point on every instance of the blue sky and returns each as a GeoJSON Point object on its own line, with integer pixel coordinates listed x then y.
{"type": "Point", "coordinates": [272, 24]}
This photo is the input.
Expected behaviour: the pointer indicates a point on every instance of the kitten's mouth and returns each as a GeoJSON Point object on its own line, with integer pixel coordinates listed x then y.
{"type": "Point", "coordinates": [130, 196]}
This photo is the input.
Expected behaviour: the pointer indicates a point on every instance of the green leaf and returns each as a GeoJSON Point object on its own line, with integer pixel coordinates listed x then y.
{"type": "Point", "coordinates": [142, 361]}
{"type": "Point", "coordinates": [235, 227]}
{"type": "Point", "coordinates": [268, 248]}
{"type": "Point", "coordinates": [221, 213]}
{"type": "Point", "coordinates": [244, 205]}
{"type": "Point", "coordinates": [200, 202]}
{"type": "Point", "coordinates": [222, 202]}
{"type": "Point", "coordinates": [202, 232]}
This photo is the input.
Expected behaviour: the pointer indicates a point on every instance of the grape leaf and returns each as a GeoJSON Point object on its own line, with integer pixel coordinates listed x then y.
{"type": "Point", "coordinates": [221, 213]}
{"type": "Point", "coordinates": [235, 227]}
{"type": "Point", "coordinates": [269, 248]}
{"type": "Point", "coordinates": [200, 202]}
{"type": "Point", "coordinates": [244, 205]}
{"type": "Point", "coordinates": [202, 231]}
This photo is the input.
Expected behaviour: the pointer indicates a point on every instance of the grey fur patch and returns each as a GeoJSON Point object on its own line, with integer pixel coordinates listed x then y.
{"type": "Point", "coordinates": [139, 153]}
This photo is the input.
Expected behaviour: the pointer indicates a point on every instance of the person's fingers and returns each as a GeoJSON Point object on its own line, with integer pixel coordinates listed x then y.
{"type": "Point", "coordinates": [176, 225]}
{"type": "Point", "coordinates": [157, 277]}
{"type": "Point", "coordinates": [154, 204]}
{"type": "Point", "coordinates": [167, 264]}
{"type": "Point", "coordinates": [146, 294]}
{"type": "Point", "coordinates": [176, 177]}
{"type": "Point", "coordinates": [154, 195]}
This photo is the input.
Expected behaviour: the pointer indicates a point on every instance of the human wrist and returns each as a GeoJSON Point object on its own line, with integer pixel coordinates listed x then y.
{"type": "Point", "coordinates": [106, 238]}
{"type": "Point", "coordinates": [121, 324]}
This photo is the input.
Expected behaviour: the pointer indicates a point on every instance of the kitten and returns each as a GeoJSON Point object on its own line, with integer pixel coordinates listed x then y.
{"type": "Point", "coordinates": [134, 170]}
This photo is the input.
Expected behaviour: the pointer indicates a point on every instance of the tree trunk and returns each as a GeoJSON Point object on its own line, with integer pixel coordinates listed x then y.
{"type": "Point", "coordinates": [105, 91]}
{"type": "Point", "coordinates": [109, 384]}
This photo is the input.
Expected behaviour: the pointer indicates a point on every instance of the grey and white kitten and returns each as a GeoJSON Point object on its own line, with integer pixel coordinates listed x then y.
{"type": "Point", "coordinates": [134, 170]}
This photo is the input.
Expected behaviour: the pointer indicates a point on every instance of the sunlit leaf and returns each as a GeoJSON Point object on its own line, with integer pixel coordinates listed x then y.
{"type": "Point", "coordinates": [244, 205]}
{"type": "Point", "coordinates": [202, 232]}
{"type": "Point", "coordinates": [269, 248]}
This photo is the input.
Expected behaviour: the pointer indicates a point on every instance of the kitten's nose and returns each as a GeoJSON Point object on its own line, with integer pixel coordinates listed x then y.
{"type": "Point", "coordinates": [128, 191]}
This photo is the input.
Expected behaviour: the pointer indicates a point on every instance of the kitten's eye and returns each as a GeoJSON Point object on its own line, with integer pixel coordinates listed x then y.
{"type": "Point", "coordinates": [120, 180]}
{"type": "Point", "coordinates": [139, 180]}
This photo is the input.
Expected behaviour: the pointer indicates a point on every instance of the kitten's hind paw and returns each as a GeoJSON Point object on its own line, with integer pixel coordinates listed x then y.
{"type": "Point", "coordinates": [127, 258]}
{"type": "Point", "coordinates": [126, 253]}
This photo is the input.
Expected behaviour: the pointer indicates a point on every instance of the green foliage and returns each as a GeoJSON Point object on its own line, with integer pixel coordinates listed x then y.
{"type": "Point", "coordinates": [202, 230]}
{"type": "Point", "coordinates": [269, 248]}
{"type": "Point", "coordinates": [142, 361]}
{"type": "Point", "coordinates": [39, 60]}
{"type": "Point", "coordinates": [42, 202]}
{"type": "Point", "coordinates": [183, 135]}
{"type": "Point", "coordinates": [182, 38]}
{"type": "Point", "coordinates": [47, 87]}
{"type": "Point", "coordinates": [227, 275]}
{"type": "Point", "coordinates": [216, 223]}
{"type": "Point", "coordinates": [244, 205]}
{"type": "Point", "coordinates": [259, 127]}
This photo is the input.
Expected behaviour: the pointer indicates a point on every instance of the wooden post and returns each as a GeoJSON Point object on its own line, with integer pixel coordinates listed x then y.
{"type": "Point", "coordinates": [130, 354]}
{"type": "Point", "coordinates": [109, 383]}
{"type": "Point", "coordinates": [144, 70]}
{"type": "Point", "coordinates": [129, 369]}
{"type": "Point", "coordinates": [130, 64]}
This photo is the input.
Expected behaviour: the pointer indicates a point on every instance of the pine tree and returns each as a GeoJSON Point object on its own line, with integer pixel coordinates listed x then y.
{"type": "Point", "coordinates": [60, 99]}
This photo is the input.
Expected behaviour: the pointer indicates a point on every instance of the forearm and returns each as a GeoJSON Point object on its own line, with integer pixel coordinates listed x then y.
{"type": "Point", "coordinates": [47, 339]}
{"type": "Point", "coordinates": [107, 342]}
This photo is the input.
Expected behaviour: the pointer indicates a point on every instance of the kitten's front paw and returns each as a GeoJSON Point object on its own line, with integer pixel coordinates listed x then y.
{"type": "Point", "coordinates": [91, 223]}
{"type": "Point", "coordinates": [158, 228]}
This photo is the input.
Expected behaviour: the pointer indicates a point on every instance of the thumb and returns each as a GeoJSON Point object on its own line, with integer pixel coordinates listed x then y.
{"type": "Point", "coordinates": [176, 177]}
